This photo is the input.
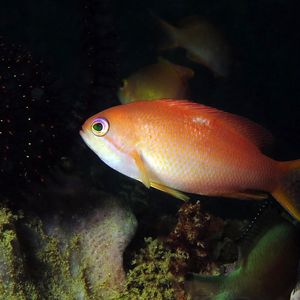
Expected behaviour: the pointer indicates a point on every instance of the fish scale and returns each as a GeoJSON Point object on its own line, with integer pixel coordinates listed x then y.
{"type": "Point", "coordinates": [187, 160]}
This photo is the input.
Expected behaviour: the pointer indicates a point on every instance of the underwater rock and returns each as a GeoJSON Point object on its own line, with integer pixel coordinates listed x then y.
{"type": "Point", "coordinates": [105, 234]}
{"type": "Point", "coordinates": [100, 236]}
{"type": "Point", "coordinates": [65, 256]}
{"type": "Point", "coordinates": [295, 295]}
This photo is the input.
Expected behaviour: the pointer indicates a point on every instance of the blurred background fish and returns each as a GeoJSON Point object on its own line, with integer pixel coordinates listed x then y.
{"type": "Point", "coordinates": [266, 273]}
{"type": "Point", "coordinates": [203, 42]}
{"type": "Point", "coordinates": [161, 80]}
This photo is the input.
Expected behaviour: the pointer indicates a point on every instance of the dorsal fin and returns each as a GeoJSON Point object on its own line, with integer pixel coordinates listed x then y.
{"type": "Point", "coordinates": [241, 125]}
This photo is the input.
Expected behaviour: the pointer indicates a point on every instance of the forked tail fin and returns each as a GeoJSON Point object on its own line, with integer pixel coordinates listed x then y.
{"type": "Point", "coordinates": [171, 33]}
{"type": "Point", "coordinates": [288, 191]}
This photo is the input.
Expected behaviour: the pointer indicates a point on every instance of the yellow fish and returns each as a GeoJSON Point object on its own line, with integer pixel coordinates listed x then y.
{"type": "Point", "coordinates": [161, 80]}
{"type": "Point", "coordinates": [204, 43]}
{"type": "Point", "coordinates": [176, 146]}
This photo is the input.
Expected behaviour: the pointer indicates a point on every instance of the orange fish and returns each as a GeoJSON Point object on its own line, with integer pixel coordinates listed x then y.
{"type": "Point", "coordinates": [179, 146]}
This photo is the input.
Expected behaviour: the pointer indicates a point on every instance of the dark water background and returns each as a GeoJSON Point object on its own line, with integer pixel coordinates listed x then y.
{"type": "Point", "coordinates": [89, 46]}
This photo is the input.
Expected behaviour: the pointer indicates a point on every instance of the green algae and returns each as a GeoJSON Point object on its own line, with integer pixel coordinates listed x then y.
{"type": "Point", "coordinates": [13, 282]}
{"type": "Point", "coordinates": [52, 265]}
{"type": "Point", "coordinates": [35, 273]}
{"type": "Point", "coordinates": [150, 276]}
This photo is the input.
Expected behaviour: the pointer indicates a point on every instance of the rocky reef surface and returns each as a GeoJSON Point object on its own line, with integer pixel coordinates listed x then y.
{"type": "Point", "coordinates": [79, 256]}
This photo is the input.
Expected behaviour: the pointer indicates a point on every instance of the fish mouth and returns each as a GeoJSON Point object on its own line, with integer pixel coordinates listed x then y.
{"type": "Point", "coordinates": [84, 138]}
{"type": "Point", "coordinates": [83, 134]}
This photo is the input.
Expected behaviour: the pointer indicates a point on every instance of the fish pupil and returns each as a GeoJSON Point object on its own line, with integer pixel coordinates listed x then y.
{"type": "Point", "coordinates": [98, 127]}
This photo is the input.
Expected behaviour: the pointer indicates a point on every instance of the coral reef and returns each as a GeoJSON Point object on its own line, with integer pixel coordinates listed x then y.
{"type": "Point", "coordinates": [65, 257]}
{"type": "Point", "coordinates": [194, 235]}
{"type": "Point", "coordinates": [199, 242]}
{"type": "Point", "coordinates": [13, 283]}
{"type": "Point", "coordinates": [79, 254]}
{"type": "Point", "coordinates": [151, 277]}
{"type": "Point", "coordinates": [104, 238]}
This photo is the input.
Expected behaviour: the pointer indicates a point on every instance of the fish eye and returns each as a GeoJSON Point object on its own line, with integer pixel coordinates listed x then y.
{"type": "Point", "coordinates": [100, 126]}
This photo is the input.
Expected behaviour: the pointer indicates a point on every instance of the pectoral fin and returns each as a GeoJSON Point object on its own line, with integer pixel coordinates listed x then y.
{"type": "Point", "coordinates": [170, 191]}
{"type": "Point", "coordinates": [141, 167]}
{"type": "Point", "coordinates": [146, 181]}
